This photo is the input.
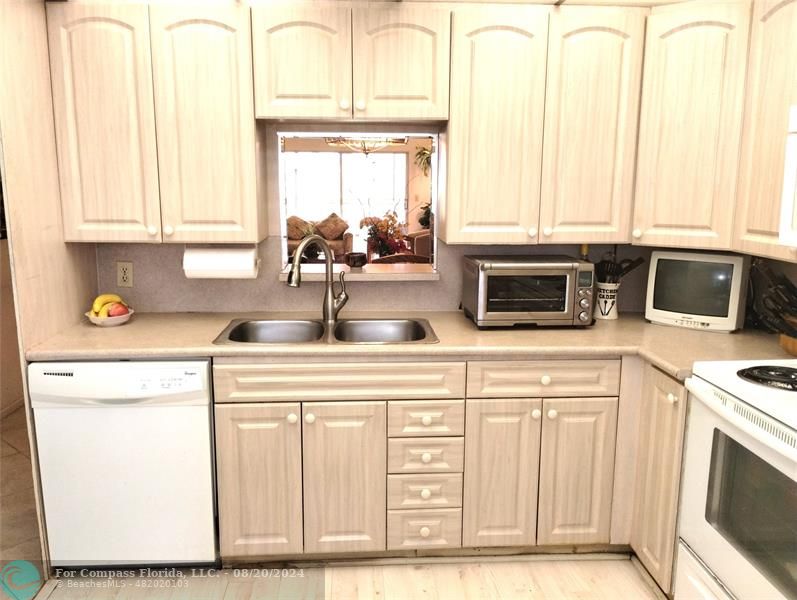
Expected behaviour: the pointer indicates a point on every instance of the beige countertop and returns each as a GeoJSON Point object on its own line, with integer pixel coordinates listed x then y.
{"type": "Point", "coordinates": [181, 335]}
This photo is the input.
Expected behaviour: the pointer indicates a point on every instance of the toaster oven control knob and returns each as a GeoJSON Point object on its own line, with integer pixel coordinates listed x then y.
{"type": "Point", "coordinates": [532, 232]}
{"type": "Point", "coordinates": [545, 380]}
{"type": "Point", "coordinates": [584, 303]}
{"type": "Point", "coordinates": [583, 316]}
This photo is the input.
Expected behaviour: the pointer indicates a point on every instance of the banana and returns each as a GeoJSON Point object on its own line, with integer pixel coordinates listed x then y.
{"type": "Point", "coordinates": [103, 299]}
{"type": "Point", "coordinates": [104, 309]}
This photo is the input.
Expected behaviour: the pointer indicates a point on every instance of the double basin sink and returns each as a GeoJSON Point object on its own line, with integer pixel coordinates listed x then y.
{"type": "Point", "coordinates": [344, 331]}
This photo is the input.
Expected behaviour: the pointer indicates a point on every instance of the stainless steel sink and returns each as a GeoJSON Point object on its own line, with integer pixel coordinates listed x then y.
{"type": "Point", "coordinates": [384, 331]}
{"type": "Point", "coordinates": [271, 332]}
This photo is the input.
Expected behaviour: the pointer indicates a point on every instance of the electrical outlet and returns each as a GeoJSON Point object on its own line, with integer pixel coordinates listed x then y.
{"type": "Point", "coordinates": [124, 274]}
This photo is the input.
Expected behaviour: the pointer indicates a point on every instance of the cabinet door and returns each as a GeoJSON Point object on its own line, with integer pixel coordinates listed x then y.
{"type": "Point", "coordinates": [104, 121]}
{"type": "Point", "coordinates": [502, 452]}
{"type": "Point", "coordinates": [401, 62]}
{"type": "Point", "coordinates": [495, 128]}
{"type": "Point", "coordinates": [345, 476]}
{"type": "Point", "coordinates": [658, 474]}
{"type": "Point", "coordinates": [591, 114]}
{"type": "Point", "coordinates": [771, 90]}
{"type": "Point", "coordinates": [259, 471]}
{"type": "Point", "coordinates": [302, 61]}
{"type": "Point", "coordinates": [690, 124]}
{"type": "Point", "coordinates": [202, 65]}
{"type": "Point", "coordinates": [577, 470]}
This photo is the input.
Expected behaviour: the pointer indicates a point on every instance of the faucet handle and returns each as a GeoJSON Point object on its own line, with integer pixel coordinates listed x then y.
{"type": "Point", "coordinates": [342, 286]}
{"type": "Point", "coordinates": [342, 296]}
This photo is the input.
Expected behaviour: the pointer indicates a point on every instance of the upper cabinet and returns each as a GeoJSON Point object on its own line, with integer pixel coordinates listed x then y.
{"type": "Point", "coordinates": [591, 114]}
{"type": "Point", "coordinates": [305, 67]}
{"type": "Point", "coordinates": [771, 91]}
{"type": "Point", "coordinates": [202, 71]}
{"type": "Point", "coordinates": [690, 124]}
{"type": "Point", "coordinates": [105, 121]}
{"type": "Point", "coordinates": [302, 61]}
{"type": "Point", "coordinates": [495, 127]}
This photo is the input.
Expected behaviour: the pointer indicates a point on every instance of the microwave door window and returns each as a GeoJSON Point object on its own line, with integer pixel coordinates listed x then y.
{"type": "Point", "coordinates": [526, 293]}
{"type": "Point", "coordinates": [754, 507]}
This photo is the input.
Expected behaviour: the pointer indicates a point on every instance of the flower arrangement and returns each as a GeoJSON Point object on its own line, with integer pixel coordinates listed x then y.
{"type": "Point", "coordinates": [385, 235]}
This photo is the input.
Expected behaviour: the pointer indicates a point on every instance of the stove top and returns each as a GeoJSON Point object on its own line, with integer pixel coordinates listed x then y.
{"type": "Point", "coordinates": [776, 376]}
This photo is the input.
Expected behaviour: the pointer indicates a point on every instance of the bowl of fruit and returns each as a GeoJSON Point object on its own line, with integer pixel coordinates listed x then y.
{"type": "Point", "coordinates": [109, 310]}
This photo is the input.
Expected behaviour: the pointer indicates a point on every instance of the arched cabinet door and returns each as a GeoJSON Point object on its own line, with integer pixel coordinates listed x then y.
{"type": "Point", "coordinates": [591, 116]}
{"type": "Point", "coordinates": [202, 71]}
{"type": "Point", "coordinates": [104, 121]}
{"type": "Point", "coordinates": [690, 124]}
{"type": "Point", "coordinates": [302, 61]}
{"type": "Point", "coordinates": [771, 92]}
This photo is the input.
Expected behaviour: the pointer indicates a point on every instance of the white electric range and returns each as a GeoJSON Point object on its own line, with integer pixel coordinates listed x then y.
{"type": "Point", "coordinates": [738, 512]}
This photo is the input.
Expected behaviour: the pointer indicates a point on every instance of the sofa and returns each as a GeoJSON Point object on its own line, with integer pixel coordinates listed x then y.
{"type": "Point", "coordinates": [333, 229]}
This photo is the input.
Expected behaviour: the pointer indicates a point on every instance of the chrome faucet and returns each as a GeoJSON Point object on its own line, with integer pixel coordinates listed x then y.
{"type": "Point", "coordinates": [332, 302]}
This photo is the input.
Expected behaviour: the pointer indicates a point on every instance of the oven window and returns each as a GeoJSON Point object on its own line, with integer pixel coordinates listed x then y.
{"type": "Point", "coordinates": [526, 293]}
{"type": "Point", "coordinates": [754, 507]}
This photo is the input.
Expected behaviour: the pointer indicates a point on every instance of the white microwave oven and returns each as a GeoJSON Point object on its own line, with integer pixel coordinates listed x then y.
{"type": "Point", "coordinates": [697, 290]}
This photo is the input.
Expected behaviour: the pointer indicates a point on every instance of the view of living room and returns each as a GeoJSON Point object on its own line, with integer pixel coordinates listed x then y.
{"type": "Point", "coordinates": [370, 196]}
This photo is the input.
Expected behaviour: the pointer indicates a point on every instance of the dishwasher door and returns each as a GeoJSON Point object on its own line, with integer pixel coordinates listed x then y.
{"type": "Point", "coordinates": [125, 456]}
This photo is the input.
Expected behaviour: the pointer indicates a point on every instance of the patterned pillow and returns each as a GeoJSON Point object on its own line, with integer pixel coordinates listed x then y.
{"type": "Point", "coordinates": [332, 228]}
{"type": "Point", "coordinates": [298, 228]}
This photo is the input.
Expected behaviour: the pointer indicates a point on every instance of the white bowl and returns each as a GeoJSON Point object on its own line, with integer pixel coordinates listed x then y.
{"type": "Point", "coordinates": [110, 321]}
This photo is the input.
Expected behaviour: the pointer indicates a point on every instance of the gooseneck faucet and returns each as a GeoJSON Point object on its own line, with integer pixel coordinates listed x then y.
{"type": "Point", "coordinates": [332, 302]}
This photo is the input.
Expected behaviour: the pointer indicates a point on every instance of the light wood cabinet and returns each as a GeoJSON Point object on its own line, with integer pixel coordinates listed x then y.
{"type": "Point", "coordinates": [495, 129]}
{"type": "Point", "coordinates": [576, 470]}
{"type": "Point", "coordinates": [425, 528]}
{"type": "Point", "coordinates": [501, 467]}
{"type": "Point", "coordinates": [771, 90]}
{"type": "Point", "coordinates": [591, 114]}
{"type": "Point", "coordinates": [690, 124]}
{"type": "Point", "coordinates": [105, 122]}
{"type": "Point", "coordinates": [202, 72]}
{"type": "Point", "coordinates": [302, 61]}
{"type": "Point", "coordinates": [658, 474]}
{"type": "Point", "coordinates": [259, 471]}
{"type": "Point", "coordinates": [345, 478]}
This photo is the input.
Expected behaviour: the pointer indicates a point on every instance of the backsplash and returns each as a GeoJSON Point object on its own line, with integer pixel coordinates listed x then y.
{"type": "Point", "coordinates": [161, 286]}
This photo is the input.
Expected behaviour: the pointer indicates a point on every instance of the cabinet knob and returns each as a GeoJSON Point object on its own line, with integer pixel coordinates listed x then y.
{"type": "Point", "coordinates": [426, 493]}
{"type": "Point", "coordinates": [152, 230]}
{"type": "Point", "coordinates": [532, 232]}
{"type": "Point", "coordinates": [672, 398]}
{"type": "Point", "coordinates": [309, 418]}
{"type": "Point", "coordinates": [548, 231]}
{"type": "Point", "coordinates": [168, 230]}
{"type": "Point", "coordinates": [426, 458]}
{"type": "Point", "coordinates": [536, 414]}
{"type": "Point", "coordinates": [344, 104]}
{"type": "Point", "coordinates": [637, 233]}
{"type": "Point", "coordinates": [424, 531]}
{"type": "Point", "coordinates": [360, 105]}
{"type": "Point", "coordinates": [545, 380]}
{"type": "Point", "coordinates": [292, 418]}
{"type": "Point", "coordinates": [426, 420]}
{"type": "Point", "coordinates": [552, 414]}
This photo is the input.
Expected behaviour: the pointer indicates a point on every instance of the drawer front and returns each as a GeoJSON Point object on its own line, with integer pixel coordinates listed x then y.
{"type": "Point", "coordinates": [435, 528]}
{"type": "Point", "coordinates": [543, 378]}
{"type": "Point", "coordinates": [342, 381]}
{"type": "Point", "coordinates": [424, 418]}
{"type": "Point", "coordinates": [442, 490]}
{"type": "Point", "coordinates": [425, 455]}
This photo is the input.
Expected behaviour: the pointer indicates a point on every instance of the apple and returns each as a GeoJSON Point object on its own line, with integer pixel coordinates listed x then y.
{"type": "Point", "coordinates": [117, 310]}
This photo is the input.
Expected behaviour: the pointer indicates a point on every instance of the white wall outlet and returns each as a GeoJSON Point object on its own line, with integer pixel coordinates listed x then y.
{"type": "Point", "coordinates": [124, 274]}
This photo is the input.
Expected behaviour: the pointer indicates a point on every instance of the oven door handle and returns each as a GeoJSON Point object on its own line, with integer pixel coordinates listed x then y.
{"type": "Point", "coordinates": [709, 396]}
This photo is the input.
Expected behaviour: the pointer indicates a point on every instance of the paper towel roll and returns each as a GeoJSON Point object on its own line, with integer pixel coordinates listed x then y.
{"type": "Point", "coordinates": [221, 263]}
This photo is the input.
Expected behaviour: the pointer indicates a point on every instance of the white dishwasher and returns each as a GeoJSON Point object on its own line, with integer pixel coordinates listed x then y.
{"type": "Point", "coordinates": [125, 455]}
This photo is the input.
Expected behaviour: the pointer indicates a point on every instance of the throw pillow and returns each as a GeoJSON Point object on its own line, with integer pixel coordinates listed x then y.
{"type": "Point", "coordinates": [298, 228]}
{"type": "Point", "coordinates": [332, 228]}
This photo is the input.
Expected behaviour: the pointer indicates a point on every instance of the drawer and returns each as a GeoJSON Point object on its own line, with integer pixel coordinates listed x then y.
{"type": "Point", "coordinates": [424, 528]}
{"type": "Point", "coordinates": [425, 455]}
{"type": "Point", "coordinates": [425, 418]}
{"type": "Point", "coordinates": [543, 378]}
{"type": "Point", "coordinates": [337, 381]}
{"type": "Point", "coordinates": [443, 490]}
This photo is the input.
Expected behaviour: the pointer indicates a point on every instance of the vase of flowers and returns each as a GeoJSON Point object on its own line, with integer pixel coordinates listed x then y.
{"type": "Point", "coordinates": [385, 235]}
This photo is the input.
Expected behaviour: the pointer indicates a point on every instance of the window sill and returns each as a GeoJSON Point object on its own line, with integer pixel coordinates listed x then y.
{"type": "Point", "coordinates": [397, 272]}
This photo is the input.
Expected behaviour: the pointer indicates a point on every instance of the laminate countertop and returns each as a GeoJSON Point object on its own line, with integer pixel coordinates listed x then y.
{"type": "Point", "coordinates": [184, 335]}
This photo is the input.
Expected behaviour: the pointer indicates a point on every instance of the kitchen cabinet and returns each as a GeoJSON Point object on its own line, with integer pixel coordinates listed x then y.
{"type": "Point", "coordinates": [690, 124]}
{"type": "Point", "coordinates": [345, 476]}
{"type": "Point", "coordinates": [495, 128]}
{"type": "Point", "coordinates": [101, 77]}
{"type": "Point", "coordinates": [658, 474]}
{"type": "Point", "coordinates": [259, 472]}
{"type": "Point", "coordinates": [591, 115]}
{"type": "Point", "coordinates": [502, 453]}
{"type": "Point", "coordinates": [576, 470]}
{"type": "Point", "coordinates": [387, 62]}
{"type": "Point", "coordinates": [771, 91]}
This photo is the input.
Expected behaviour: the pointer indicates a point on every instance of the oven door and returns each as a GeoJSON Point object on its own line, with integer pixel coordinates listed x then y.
{"type": "Point", "coordinates": [739, 495]}
{"type": "Point", "coordinates": [531, 295]}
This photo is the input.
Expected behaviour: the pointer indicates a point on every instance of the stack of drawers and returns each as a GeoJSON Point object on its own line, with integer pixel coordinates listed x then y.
{"type": "Point", "coordinates": [424, 465]}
